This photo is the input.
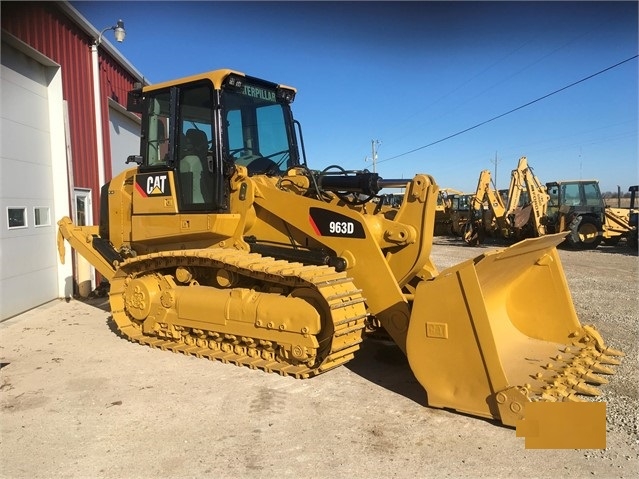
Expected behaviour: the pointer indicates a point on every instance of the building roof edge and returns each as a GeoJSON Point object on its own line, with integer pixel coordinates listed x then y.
{"type": "Point", "coordinates": [85, 25]}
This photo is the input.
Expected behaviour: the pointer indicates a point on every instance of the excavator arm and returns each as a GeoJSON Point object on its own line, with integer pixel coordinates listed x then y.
{"type": "Point", "coordinates": [523, 180]}
{"type": "Point", "coordinates": [538, 196]}
{"type": "Point", "coordinates": [485, 193]}
{"type": "Point", "coordinates": [517, 185]}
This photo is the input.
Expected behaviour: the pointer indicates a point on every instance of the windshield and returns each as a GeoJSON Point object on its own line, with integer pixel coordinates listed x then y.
{"type": "Point", "coordinates": [258, 131]}
{"type": "Point", "coordinates": [592, 195]}
{"type": "Point", "coordinates": [581, 194]}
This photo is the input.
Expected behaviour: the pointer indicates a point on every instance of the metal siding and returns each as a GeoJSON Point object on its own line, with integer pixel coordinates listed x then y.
{"type": "Point", "coordinates": [45, 28]}
{"type": "Point", "coordinates": [115, 83]}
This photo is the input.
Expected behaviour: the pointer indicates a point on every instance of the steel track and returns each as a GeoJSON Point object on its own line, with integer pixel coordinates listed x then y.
{"type": "Point", "coordinates": [344, 302]}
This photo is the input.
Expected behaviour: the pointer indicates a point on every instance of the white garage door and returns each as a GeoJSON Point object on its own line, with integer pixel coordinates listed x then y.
{"type": "Point", "coordinates": [124, 137]}
{"type": "Point", "coordinates": [30, 274]}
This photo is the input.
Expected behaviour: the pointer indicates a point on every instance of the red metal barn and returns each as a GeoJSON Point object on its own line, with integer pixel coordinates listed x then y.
{"type": "Point", "coordinates": [56, 151]}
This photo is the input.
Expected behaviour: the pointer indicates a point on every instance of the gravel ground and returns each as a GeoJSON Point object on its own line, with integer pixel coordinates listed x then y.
{"type": "Point", "coordinates": [78, 401]}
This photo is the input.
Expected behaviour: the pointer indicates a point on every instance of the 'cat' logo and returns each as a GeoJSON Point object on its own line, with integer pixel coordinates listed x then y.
{"type": "Point", "coordinates": [153, 184]}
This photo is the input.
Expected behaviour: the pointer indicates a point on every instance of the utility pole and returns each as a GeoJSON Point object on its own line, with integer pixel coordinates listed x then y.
{"type": "Point", "coordinates": [495, 161]}
{"type": "Point", "coordinates": [374, 143]}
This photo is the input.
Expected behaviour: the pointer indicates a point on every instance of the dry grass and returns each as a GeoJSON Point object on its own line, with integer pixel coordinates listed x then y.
{"type": "Point", "coordinates": [617, 203]}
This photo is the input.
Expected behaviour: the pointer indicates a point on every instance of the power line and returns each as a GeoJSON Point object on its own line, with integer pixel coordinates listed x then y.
{"type": "Point", "coordinates": [509, 111]}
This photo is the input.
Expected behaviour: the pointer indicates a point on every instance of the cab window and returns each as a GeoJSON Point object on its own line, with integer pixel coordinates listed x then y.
{"type": "Point", "coordinates": [571, 196]}
{"type": "Point", "coordinates": [592, 194]}
{"type": "Point", "coordinates": [156, 130]}
{"type": "Point", "coordinates": [258, 133]}
{"type": "Point", "coordinates": [194, 162]}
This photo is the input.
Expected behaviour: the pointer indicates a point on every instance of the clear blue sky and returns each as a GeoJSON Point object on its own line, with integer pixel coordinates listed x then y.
{"type": "Point", "coordinates": [412, 73]}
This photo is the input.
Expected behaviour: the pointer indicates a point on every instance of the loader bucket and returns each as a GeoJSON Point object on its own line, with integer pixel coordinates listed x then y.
{"type": "Point", "coordinates": [499, 331]}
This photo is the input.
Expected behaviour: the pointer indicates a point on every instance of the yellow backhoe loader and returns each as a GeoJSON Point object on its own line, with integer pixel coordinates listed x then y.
{"type": "Point", "coordinates": [618, 224]}
{"type": "Point", "coordinates": [223, 243]}
{"type": "Point", "coordinates": [578, 207]}
{"type": "Point", "coordinates": [633, 217]}
{"type": "Point", "coordinates": [525, 207]}
{"type": "Point", "coordinates": [459, 212]}
{"type": "Point", "coordinates": [535, 209]}
{"type": "Point", "coordinates": [488, 214]}
{"type": "Point", "coordinates": [446, 212]}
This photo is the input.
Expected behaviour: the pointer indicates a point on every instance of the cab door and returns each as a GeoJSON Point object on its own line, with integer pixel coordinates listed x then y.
{"type": "Point", "coordinates": [178, 191]}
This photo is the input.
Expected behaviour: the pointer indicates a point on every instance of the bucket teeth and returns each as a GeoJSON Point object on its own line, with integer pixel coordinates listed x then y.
{"type": "Point", "coordinates": [592, 378]}
{"type": "Point", "coordinates": [602, 357]}
{"type": "Point", "coordinates": [605, 359]}
{"type": "Point", "coordinates": [585, 374]}
{"type": "Point", "coordinates": [583, 388]}
{"type": "Point", "coordinates": [567, 384]}
{"type": "Point", "coordinates": [562, 392]}
{"type": "Point", "coordinates": [601, 369]}
{"type": "Point", "coordinates": [572, 374]}
{"type": "Point", "coordinates": [595, 364]}
{"type": "Point", "coordinates": [612, 352]}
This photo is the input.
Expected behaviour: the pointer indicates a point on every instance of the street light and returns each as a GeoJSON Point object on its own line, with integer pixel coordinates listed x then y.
{"type": "Point", "coordinates": [119, 33]}
{"type": "Point", "coordinates": [118, 30]}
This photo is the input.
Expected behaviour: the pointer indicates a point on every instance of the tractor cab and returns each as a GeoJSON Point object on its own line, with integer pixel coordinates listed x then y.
{"type": "Point", "coordinates": [579, 207]}
{"type": "Point", "coordinates": [202, 126]}
{"type": "Point", "coordinates": [578, 197]}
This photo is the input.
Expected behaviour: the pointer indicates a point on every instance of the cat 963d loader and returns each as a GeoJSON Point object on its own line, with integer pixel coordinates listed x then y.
{"type": "Point", "coordinates": [221, 242]}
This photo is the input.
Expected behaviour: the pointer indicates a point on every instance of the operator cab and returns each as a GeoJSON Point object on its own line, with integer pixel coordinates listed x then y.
{"type": "Point", "coordinates": [579, 197]}
{"type": "Point", "coordinates": [575, 194]}
{"type": "Point", "coordinates": [201, 132]}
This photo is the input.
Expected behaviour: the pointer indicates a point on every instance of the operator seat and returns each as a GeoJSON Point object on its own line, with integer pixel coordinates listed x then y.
{"type": "Point", "coordinates": [199, 142]}
{"type": "Point", "coordinates": [192, 166]}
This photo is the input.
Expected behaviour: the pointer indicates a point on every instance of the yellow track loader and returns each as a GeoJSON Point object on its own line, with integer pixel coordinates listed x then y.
{"type": "Point", "coordinates": [223, 243]}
